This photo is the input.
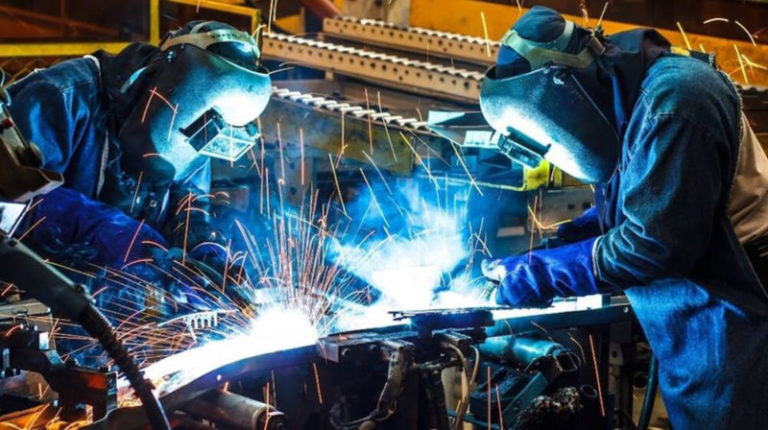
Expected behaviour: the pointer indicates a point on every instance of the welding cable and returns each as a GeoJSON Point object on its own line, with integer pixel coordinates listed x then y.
{"type": "Point", "coordinates": [97, 326]}
{"type": "Point", "coordinates": [464, 387]}
{"type": "Point", "coordinates": [464, 405]}
{"type": "Point", "coordinates": [650, 394]}
{"type": "Point", "coordinates": [23, 267]}
{"type": "Point", "coordinates": [464, 370]}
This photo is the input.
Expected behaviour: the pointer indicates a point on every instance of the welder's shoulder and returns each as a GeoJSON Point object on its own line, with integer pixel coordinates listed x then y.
{"type": "Point", "coordinates": [80, 75]}
{"type": "Point", "coordinates": [688, 88]}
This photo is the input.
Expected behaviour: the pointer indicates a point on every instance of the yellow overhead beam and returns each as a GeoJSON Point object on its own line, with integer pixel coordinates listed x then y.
{"type": "Point", "coordinates": [54, 49]}
{"type": "Point", "coordinates": [463, 16]}
{"type": "Point", "coordinates": [72, 49]}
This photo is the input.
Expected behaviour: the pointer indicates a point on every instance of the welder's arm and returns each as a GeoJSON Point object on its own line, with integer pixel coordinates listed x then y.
{"type": "Point", "coordinates": [65, 221]}
{"type": "Point", "coordinates": [49, 117]}
{"type": "Point", "coordinates": [583, 227]}
{"type": "Point", "coordinates": [670, 189]}
{"type": "Point", "coordinates": [534, 279]}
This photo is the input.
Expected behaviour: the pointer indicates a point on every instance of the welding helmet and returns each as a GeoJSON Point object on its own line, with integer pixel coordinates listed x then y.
{"type": "Point", "coordinates": [548, 96]}
{"type": "Point", "coordinates": [202, 99]}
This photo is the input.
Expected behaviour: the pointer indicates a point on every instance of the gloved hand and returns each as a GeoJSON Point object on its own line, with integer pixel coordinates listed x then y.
{"type": "Point", "coordinates": [67, 221]}
{"type": "Point", "coordinates": [584, 227]}
{"type": "Point", "coordinates": [217, 263]}
{"type": "Point", "coordinates": [75, 230]}
{"type": "Point", "coordinates": [534, 279]}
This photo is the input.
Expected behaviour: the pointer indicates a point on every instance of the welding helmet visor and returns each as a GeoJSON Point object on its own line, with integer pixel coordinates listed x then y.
{"type": "Point", "coordinates": [202, 103]}
{"type": "Point", "coordinates": [549, 111]}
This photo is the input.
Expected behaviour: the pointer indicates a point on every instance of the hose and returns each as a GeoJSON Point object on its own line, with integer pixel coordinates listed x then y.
{"type": "Point", "coordinates": [21, 266]}
{"type": "Point", "coordinates": [98, 327]}
{"type": "Point", "coordinates": [461, 410]}
{"type": "Point", "coordinates": [650, 394]}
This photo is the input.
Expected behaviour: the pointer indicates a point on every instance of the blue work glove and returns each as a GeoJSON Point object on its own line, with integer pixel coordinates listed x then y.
{"type": "Point", "coordinates": [584, 227]}
{"type": "Point", "coordinates": [74, 230]}
{"type": "Point", "coordinates": [534, 279]}
{"type": "Point", "coordinates": [65, 221]}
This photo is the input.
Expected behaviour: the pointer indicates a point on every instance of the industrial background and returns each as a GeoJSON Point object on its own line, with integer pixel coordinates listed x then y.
{"type": "Point", "coordinates": [347, 164]}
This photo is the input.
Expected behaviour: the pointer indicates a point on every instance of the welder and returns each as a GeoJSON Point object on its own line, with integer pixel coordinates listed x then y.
{"type": "Point", "coordinates": [680, 221]}
{"type": "Point", "coordinates": [134, 134]}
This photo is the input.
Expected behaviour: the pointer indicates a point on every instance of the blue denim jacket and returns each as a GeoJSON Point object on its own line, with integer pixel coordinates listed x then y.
{"type": "Point", "coordinates": [667, 240]}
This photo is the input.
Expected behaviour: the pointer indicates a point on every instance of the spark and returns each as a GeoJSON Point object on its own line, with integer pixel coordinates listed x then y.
{"type": "Point", "coordinates": [173, 120]}
{"type": "Point", "coordinates": [485, 34]}
{"type": "Point", "coordinates": [375, 200]}
{"type": "Point", "coordinates": [29, 208]}
{"type": "Point", "coordinates": [602, 14]}
{"type": "Point", "coordinates": [6, 289]}
{"type": "Point", "coordinates": [186, 230]}
{"type": "Point", "coordinates": [317, 384]}
{"type": "Point", "coordinates": [711, 20]}
{"type": "Point", "coordinates": [383, 180]}
{"type": "Point", "coordinates": [12, 329]}
{"type": "Point", "coordinates": [136, 193]}
{"type": "Point", "coordinates": [280, 150]}
{"type": "Point", "coordinates": [338, 188]}
{"type": "Point", "coordinates": [741, 64]}
{"type": "Point", "coordinates": [581, 348]}
{"type": "Point", "coordinates": [133, 239]}
{"type": "Point", "coordinates": [386, 129]}
{"type": "Point", "coordinates": [152, 93]}
{"type": "Point", "coordinates": [753, 64]}
{"type": "Point", "coordinates": [343, 145]}
{"type": "Point", "coordinates": [685, 37]}
{"type": "Point", "coordinates": [301, 148]}
{"type": "Point", "coordinates": [155, 244]}
{"type": "Point", "coordinates": [597, 375]}
{"type": "Point", "coordinates": [751, 38]}
{"type": "Point", "coordinates": [32, 227]}
{"type": "Point", "coordinates": [419, 159]}
{"type": "Point", "coordinates": [370, 121]}
{"type": "Point", "coordinates": [464, 166]}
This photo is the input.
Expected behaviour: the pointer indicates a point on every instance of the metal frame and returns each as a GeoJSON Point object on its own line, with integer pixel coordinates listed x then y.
{"type": "Point", "coordinates": [615, 311]}
{"type": "Point", "coordinates": [399, 72]}
{"type": "Point", "coordinates": [413, 39]}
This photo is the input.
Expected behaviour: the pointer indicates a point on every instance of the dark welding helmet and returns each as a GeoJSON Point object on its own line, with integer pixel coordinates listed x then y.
{"type": "Point", "coordinates": [545, 97]}
{"type": "Point", "coordinates": [201, 101]}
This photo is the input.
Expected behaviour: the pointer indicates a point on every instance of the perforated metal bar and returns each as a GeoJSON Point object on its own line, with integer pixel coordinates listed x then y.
{"type": "Point", "coordinates": [402, 73]}
{"type": "Point", "coordinates": [413, 39]}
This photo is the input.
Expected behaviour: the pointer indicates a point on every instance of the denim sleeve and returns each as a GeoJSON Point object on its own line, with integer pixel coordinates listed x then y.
{"type": "Point", "coordinates": [47, 117]}
{"type": "Point", "coordinates": [671, 187]}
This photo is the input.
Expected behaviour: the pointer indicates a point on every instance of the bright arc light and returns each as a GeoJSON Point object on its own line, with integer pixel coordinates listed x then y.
{"type": "Point", "coordinates": [273, 330]}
